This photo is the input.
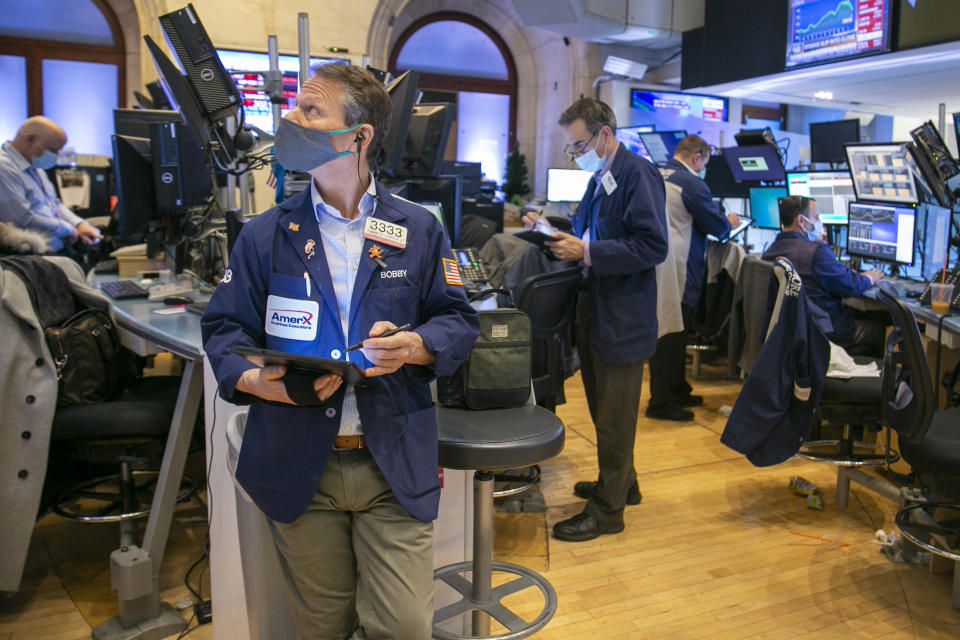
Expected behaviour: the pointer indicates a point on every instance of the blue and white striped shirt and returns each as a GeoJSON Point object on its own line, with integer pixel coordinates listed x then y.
{"type": "Point", "coordinates": [343, 245]}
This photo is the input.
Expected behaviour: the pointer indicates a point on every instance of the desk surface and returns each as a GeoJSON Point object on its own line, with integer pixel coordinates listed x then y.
{"type": "Point", "coordinates": [178, 333]}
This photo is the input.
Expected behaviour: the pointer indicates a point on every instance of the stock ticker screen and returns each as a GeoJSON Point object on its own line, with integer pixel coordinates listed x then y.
{"type": "Point", "coordinates": [821, 31]}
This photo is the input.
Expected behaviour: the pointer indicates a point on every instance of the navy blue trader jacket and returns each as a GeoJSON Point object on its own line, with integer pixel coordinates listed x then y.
{"type": "Point", "coordinates": [701, 216]}
{"type": "Point", "coordinates": [774, 411]}
{"type": "Point", "coordinates": [825, 279]}
{"type": "Point", "coordinates": [285, 447]}
{"type": "Point", "coordinates": [628, 238]}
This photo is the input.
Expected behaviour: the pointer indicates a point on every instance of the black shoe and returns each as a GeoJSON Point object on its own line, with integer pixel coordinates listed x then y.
{"type": "Point", "coordinates": [691, 401]}
{"type": "Point", "coordinates": [582, 527]}
{"type": "Point", "coordinates": [670, 412]}
{"type": "Point", "coordinates": [585, 489]}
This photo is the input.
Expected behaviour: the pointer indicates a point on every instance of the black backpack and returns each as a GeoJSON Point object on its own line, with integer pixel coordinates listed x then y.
{"type": "Point", "coordinates": [91, 364]}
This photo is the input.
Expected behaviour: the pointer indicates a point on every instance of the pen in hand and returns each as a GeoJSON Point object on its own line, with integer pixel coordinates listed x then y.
{"type": "Point", "coordinates": [385, 334]}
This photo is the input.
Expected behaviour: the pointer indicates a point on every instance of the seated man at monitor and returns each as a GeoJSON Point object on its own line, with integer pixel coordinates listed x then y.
{"type": "Point", "coordinates": [825, 279]}
{"type": "Point", "coordinates": [27, 197]}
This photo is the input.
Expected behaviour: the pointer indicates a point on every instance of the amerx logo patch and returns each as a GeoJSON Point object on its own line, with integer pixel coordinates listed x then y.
{"type": "Point", "coordinates": [291, 318]}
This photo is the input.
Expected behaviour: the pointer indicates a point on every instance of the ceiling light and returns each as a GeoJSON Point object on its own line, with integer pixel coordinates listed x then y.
{"type": "Point", "coordinates": [623, 67]}
{"type": "Point", "coordinates": [823, 95]}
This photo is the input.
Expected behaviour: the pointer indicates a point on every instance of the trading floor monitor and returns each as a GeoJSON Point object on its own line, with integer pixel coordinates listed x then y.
{"type": "Point", "coordinates": [833, 191]}
{"type": "Point", "coordinates": [630, 138]}
{"type": "Point", "coordinates": [755, 163]}
{"type": "Point", "coordinates": [567, 185]}
{"type": "Point", "coordinates": [827, 139]}
{"type": "Point", "coordinates": [765, 206]}
{"type": "Point", "coordinates": [660, 145]}
{"type": "Point", "coordinates": [133, 176]}
{"type": "Point", "coordinates": [883, 172]}
{"type": "Point", "coordinates": [882, 231]}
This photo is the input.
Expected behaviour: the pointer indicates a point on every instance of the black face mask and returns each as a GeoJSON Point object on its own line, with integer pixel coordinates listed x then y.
{"type": "Point", "coordinates": [301, 149]}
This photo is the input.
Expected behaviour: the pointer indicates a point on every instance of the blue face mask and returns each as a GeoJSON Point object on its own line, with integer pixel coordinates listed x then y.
{"type": "Point", "coordinates": [590, 161]}
{"type": "Point", "coordinates": [299, 148]}
{"type": "Point", "coordinates": [815, 234]}
{"type": "Point", "coordinates": [702, 174]}
{"type": "Point", "coordinates": [47, 161]}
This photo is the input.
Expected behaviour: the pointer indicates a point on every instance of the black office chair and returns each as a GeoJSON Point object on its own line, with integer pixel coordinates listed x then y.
{"type": "Point", "coordinates": [929, 439]}
{"type": "Point", "coordinates": [130, 431]}
{"type": "Point", "coordinates": [548, 299]}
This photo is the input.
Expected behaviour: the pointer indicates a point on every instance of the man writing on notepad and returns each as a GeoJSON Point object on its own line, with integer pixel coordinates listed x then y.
{"type": "Point", "coordinates": [347, 476]}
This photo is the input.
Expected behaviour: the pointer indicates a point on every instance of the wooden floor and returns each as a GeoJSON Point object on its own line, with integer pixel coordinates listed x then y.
{"type": "Point", "coordinates": [717, 549]}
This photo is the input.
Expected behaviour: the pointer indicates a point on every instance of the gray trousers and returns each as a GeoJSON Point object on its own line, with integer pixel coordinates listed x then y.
{"type": "Point", "coordinates": [356, 565]}
{"type": "Point", "coordinates": [613, 397]}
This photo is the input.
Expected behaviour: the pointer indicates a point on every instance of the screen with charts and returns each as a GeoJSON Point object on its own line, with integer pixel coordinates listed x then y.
{"type": "Point", "coordinates": [936, 237]}
{"type": "Point", "coordinates": [829, 30]}
{"type": "Point", "coordinates": [833, 191]}
{"type": "Point", "coordinates": [436, 209]}
{"type": "Point", "coordinates": [630, 138]}
{"type": "Point", "coordinates": [567, 185]}
{"type": "Point", "coordinates": [883, 172]}
{"type": "Point", "coordinates": [754, 163]}
{"type": "Point", "coordinates": [765, 206]}
{"type": "Point", "coordinates": [243, 67]}
{"type": "Point", "coordinates": [882, 231]}
{"type": "Point", "coordinates": [661, 144]}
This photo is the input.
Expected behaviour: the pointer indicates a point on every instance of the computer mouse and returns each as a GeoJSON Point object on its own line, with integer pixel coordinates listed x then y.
{"type": "Point", "coordinates": [172, 300]}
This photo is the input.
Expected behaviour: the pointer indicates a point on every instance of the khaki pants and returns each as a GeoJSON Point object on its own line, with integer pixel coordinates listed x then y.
{"type": "Point", "coordinates": [356, 564]}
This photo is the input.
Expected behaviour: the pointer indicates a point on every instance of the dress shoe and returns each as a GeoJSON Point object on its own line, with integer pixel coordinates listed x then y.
{"type": "Point", "coordinates": [670, 412]}
{"type": "Point", "coordinates": [586, 488]}
{"type": "Point", "coordinates": [582, 527]}
{"type": "Point", "coordinates": [691, 401]}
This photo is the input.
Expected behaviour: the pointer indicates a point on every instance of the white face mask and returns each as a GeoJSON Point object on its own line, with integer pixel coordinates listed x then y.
{"type": "Point", "coordinates": [590, 161]}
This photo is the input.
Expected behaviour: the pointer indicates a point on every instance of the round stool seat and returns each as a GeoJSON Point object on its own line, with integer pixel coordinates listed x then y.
{"type": "Point", "coordinates": [497, 439]}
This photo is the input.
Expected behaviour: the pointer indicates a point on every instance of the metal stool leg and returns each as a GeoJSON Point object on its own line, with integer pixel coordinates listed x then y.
{"type": "Point", "coordinates": [482, 548]}
{"type": "Point", "coordinates": [696, 363]}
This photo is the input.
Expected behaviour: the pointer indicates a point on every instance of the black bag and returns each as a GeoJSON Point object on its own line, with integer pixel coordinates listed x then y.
{"type": "Point", "coordinates": [92, 366]}
{"type": "Point", "coordinates": [496, 374]}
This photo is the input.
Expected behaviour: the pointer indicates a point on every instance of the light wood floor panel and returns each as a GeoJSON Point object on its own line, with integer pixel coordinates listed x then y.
{"type": "Point", "coordinates": [718, 549]}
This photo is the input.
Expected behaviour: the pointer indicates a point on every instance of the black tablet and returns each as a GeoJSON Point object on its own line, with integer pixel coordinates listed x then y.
{"type": "Point", "coordinates": [311, 365]}
{"type": "Point", "coordinates": [538, 238]}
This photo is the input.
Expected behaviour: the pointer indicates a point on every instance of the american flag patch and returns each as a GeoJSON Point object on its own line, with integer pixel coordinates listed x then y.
{"type": "Point", "coordinates": [451, 272]}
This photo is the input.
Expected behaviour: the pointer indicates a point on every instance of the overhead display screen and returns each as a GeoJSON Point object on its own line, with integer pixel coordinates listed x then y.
{"type": "Point", "coordinates": [821, 31]}
{"type": "Point", "coordinates": [709, 108]}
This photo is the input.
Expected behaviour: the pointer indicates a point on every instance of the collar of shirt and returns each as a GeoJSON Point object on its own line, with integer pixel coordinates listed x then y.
{"type": "Point", "coordinates": [368, 203]}
{"type": "Point", "coordinates": [16, 157]}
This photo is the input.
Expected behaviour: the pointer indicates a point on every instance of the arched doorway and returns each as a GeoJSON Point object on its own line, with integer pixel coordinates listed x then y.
{"type": "Point", "coordinates": [462, 60]}
{"type": "Point", "coordinates": [56, 54]}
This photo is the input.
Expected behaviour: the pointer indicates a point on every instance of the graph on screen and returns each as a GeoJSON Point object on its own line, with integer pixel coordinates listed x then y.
{"type": "Point", "coordinates": [829, 30]}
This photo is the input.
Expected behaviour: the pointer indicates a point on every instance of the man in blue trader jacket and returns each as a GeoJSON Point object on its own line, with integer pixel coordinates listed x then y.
{"type": "Point", "coordinates": [825, 279]}
{"type": "Point", "coordinates": [346, 475]}
{"type": "Point", "coordinates": [620, 235]}
{"type": "Point", "coordinates": [692, 214]}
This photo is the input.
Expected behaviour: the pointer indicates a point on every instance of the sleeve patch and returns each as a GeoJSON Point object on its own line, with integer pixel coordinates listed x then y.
{"type": "Point", "coordinates": [451, 272]}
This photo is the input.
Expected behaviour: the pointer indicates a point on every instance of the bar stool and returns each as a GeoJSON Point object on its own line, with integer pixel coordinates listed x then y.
{"type": "Point", "coordinates": [488, 441]}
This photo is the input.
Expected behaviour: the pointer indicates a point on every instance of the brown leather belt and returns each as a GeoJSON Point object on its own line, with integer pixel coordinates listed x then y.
{"type": "Point", "coordinates": [349, 442]}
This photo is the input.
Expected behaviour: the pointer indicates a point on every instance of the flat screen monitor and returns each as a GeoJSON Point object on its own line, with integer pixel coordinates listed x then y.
{"type": "Point", "coordinates": [403, 94]}
{"type": "Point", "coordinates": [427, 139]}
{"type": "Point", "coordinates": [925, 22]}
{"type": "Point", "coordinates": [136, 122]}
{"type": "Point", "coordinates": [179, 93]}
{"type": "Point", "coordinates": [765, 207]}
{"type": "Point", "coordinates": [630, 138]}
{"type": "Point", "coordinates": [721, 182]}
{"type": "Point", "coordinates": [683, 105]}
{"type": "Point", "coordinates": [883, 172]}
{"type": "Point", "coordinates": [820, 31]}
{"type": "Point", "coordinates": [244, 68]}
{"type": "Point", "coordinates": [661, 144]}
{"type": "Point", "coordinates": [833, 191]}
{"type": "Point", "coordinates": [133, 177]}
{"type": "Point", "coordinates": [755, 163]}
{"type": "Point", "coordinates": [827, 139]}
{"type": "Point", "coordinates": [936, 238]}
{"type": "Point", "coordinates": [567, 185]}
{"type": "Point", "coordinates": [882, 231]}
{"type": "Point", "coordinates": [445, 190]}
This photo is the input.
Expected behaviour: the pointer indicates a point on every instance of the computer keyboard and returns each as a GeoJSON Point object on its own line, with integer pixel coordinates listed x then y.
{"type": "Point", "coordinates": [120, 289]}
